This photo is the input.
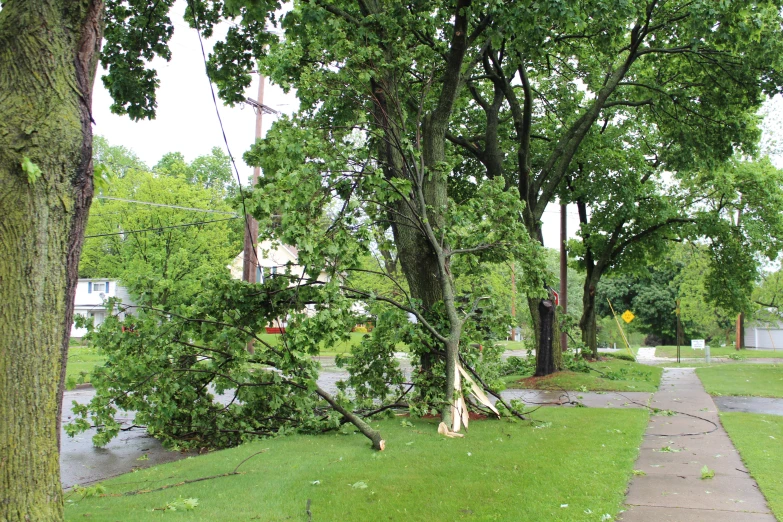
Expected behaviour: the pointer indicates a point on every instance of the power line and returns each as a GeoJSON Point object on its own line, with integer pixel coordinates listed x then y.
{"type": "Point", "coordinates": [220, 121]}
{"type": "Point", "coordinates": [168, 206]}
{"type": "Point", "coordinates": [195, 223]}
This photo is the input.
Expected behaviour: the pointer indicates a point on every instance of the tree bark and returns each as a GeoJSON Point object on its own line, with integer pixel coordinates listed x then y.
{"type": "Point", "coordinates": [375, 437]}
{"type": "Point", "coordinates": [587, 323]}
{"type": "Point", "coordinates": [416, 218]}
{"type": "Point", "coordinates": [549, 356]}
{"type": "Point", "coordinates": [48, 58]}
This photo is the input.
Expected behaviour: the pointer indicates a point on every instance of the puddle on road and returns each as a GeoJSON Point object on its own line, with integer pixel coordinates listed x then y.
{"type": "Point", "coordinates": [763, 405]}
{"type": "Point", "coordinates": [82, 463]}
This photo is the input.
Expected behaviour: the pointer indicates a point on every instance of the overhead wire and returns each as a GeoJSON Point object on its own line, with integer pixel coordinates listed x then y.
{"type": "Point", "coordinates": [155, 229]}
{"type": "Point", "coordinates": [192, 209]}
{"type": "Point", "coordinates": [220, 121]}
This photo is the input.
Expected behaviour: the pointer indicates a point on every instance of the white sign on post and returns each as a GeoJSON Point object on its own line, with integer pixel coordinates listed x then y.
{"type": "Point", "coordinates": [697, 344]}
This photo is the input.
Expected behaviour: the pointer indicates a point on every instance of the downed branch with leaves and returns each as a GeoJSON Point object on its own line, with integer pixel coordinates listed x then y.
{"type": "Point", "coordinates": [192, 382]}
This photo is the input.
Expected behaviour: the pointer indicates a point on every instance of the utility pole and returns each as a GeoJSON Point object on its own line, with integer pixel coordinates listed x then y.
{"type": "Point", "coordinates": [513, 302]}
{"type": "Point", "coordinates": [679, 330]}
{"type": "Point", "coordinates": [563, 271]}
{"type": "Point", "coordinates": [740, 343]}
{"type": "Point", "coordinates": [250, 261]}
{"type": "Point", "coordinates": [250, 257]}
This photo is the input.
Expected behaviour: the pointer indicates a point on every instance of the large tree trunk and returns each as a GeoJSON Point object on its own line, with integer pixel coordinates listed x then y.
{"type": "Point", "coordinates": [415, 254]}
{"type": "Point", "coordinates": [549, 356]}
{"type": "Point", "coordinates": [587, 323]}
{"type": "Point", "coordinates": [419, 264]}
{"type": "Point", "coordinates": [418, 219]}
{"type": "Point", "coordinates": [544, 330]}
{"type": "Point", "coordinates": [48, 53]}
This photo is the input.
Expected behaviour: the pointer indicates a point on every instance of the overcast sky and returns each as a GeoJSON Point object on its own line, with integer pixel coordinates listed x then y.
{"type": "Point", "coordinates": [186, 120]}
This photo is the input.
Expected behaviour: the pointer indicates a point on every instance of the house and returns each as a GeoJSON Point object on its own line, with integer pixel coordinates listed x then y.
{"type": "Point", "coordinates": [91, 298]}
{"type": "Point", "coordinates": [274, 258]}
{"type": "Point", "coordinates": [764, 336]}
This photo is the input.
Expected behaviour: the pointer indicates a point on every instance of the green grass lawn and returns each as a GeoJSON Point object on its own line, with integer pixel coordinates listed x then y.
{"type": "Point", "coordinates": [758, 380]}
{"type": "Point", "coordinates": [513, 345]}
{"type": "Point", "coordinates": [615, 375]}
{"type": "Point", "coordinates": [759, 440]}
{"type": "Point", "coordinates": [574, 466]}
{"type": "Point", "coordinates": [716, 351]}
{"type": "Point", "coordinates": [81, 361]}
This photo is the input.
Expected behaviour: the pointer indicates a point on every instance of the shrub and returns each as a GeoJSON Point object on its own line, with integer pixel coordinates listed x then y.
{"type": "Point", "coordinates": [518, 366]}
{"type": "Point", "coordinates": [621, 356]}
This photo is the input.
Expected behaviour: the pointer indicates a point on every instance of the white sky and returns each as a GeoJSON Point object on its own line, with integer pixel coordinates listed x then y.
{"type": "Point", "coordinates": [186, 121]}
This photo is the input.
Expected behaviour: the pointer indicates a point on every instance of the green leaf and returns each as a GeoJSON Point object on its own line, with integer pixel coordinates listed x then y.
{"type": "Point", "coordinates": [33, 171]}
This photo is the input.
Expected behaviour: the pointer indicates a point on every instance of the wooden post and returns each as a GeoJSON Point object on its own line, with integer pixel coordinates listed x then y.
{"type": "Point", "coordinates": [513, 302]}
{"type": "Point", "coordinates": [250, 257]}
{"type": "Point", "coordinates": [740, 342]}
{"type": "Point", "coordinates": [563, 273]}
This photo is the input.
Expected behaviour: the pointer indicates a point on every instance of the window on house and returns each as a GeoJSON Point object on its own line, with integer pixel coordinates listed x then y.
{"type": "Point", "coordinates": [274, 270]}
{"type": "Point", "coordinates": [99, 287]}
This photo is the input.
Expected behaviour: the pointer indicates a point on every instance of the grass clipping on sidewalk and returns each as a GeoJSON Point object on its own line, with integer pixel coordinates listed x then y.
{"type": "Point", "coordinates": [571, 464]}
{"type": "Point", "coordinates": [759, 440]}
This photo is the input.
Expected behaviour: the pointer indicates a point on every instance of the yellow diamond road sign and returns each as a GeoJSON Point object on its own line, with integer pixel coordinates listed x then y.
{"type": "Point", "coordinates": [627, 316]}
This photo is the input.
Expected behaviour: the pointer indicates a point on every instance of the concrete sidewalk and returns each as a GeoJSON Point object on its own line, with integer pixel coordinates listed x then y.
{"type": "Point", "coordinates": [672, 454]}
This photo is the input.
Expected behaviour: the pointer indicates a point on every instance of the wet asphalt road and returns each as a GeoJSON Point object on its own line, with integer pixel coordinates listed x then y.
{"type": "Point", "coordinates": [82, 463]}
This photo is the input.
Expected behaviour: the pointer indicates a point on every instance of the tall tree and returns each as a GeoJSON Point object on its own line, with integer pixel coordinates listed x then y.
{"type": "Point", "coordinates": [599, 66]}
{"type": "Point", "coordinates": [700, 318]}
{"type": "Point", "coordinates": [535, 78]}
{"type": "Point", "coordinates": [626, 213]}
{"type": "Point", "coordinates": [48, 59]}
{"type": "Point", "coordinates": [158, 251]}
{"type": "Point", "coordinates": [650, 295]}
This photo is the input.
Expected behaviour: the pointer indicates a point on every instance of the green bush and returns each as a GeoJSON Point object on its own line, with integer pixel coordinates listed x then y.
{"type": "Point", "coordinates": [518, 366]}
{"type": "Point", "coordinates": [621, 356]}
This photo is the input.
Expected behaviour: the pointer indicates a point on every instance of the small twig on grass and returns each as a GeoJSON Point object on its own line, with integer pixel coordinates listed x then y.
{"type": "Point", "coordinates": [250, 457]}
{"type": "Point", "coordinates": [184, 482]}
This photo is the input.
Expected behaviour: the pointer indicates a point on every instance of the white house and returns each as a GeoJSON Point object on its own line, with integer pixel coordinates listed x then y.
{"type": "Point", "coordinates": [275, 259]}
{"type": "Point", "coordinates": [272, 259]}
{"type": "Point", "coordinates": [764, 336]}
{"type": "Point", "coordinates": [90, 300]}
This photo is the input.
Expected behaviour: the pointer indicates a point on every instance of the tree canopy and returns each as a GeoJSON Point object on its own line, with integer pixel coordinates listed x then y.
{"type": "Point", "coordinates": [141, 231]}
{"type": "Point", "coordinates": [414, 115]}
